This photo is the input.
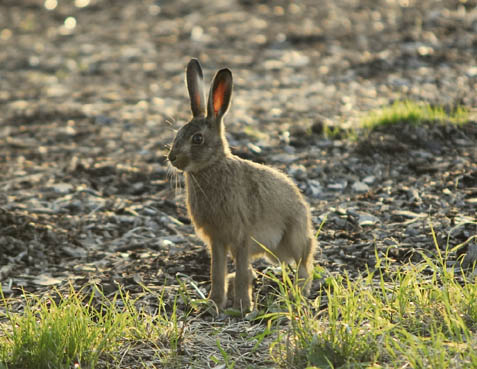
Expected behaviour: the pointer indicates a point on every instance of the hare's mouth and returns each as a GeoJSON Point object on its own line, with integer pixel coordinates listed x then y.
{"type": "Point", "coordinates": [179, 162]}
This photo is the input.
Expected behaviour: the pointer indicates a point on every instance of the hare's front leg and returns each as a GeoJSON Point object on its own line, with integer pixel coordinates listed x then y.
{"type": "Point", "coordinates": [218, 271]}
{"type": "Point", "coordinates": [243, 279]}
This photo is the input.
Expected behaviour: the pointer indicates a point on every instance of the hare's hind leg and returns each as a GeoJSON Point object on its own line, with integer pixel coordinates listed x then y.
{"type": "Point", "coordinates": [218, 274]}
{"type": "Point", "coordinates": [305, 266]}
{"type": "Point", "coordinates": [244, 276]}
{"type": "Point", "coordinates": [298, 245]}
{"type": "Point", "coordinates": [231, 282]}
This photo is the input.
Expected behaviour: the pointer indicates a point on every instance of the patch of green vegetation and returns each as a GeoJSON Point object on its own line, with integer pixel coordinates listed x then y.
{"type": "Point", "coordinates": [417, 316]}
{"type": "Point", "coordinates": [414, 113]}
{"type": "Point", "coordinates": [336, 132]}
{"type": "Point", "coordinates": [74, 330]}
{"type": "Point", "coordinates": [410, 316]}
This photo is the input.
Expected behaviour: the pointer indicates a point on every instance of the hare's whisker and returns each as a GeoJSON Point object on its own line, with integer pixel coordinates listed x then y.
{"type": "Point", "coordinates": [170, 174]}
{"type": "Point", "coordinates": [170, 125]}
{"type": "Point", "coordinates": [178, 188]}
{"type": "Point", "coordinates": [199, 187]}
{"type": "Point", "coordinates": [169, 120]}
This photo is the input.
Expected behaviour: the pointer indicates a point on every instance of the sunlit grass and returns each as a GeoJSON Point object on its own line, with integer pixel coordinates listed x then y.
{"type": "Point", "coordinates": [415, 316]}
{"type": "Point", "coordinates": [414, 113]}
{"type": "Point", "coordinates": [409, 316]}
{"type": "Point", "coordinates": [75, 331]}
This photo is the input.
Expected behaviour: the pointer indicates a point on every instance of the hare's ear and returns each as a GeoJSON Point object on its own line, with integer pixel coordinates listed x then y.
{"type": "Point", "coordinates": [195, 85]}
{"type": "Point", "coordinates": [220, 94]}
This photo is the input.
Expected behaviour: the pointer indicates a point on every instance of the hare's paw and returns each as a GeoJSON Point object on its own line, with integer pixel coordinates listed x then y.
{"type": "Point", "coordinates": [243, 292]}
{"type": "Point", "coordinates": [243, 303]}
{"type": "Point", "coordinates": [219, 298]}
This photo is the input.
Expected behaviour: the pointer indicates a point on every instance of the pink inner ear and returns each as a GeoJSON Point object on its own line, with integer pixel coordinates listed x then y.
{"type": "Point", "coordinates": [218, 97]}
{"type": "Point", "coordinates": [197, 100]}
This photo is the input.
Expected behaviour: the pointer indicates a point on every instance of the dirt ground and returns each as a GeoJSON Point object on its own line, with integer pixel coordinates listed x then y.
{"type": "Point", "coordinates": [92, 91]}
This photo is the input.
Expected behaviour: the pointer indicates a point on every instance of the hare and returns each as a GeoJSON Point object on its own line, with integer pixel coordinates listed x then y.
{"type": "Point", "coordinates": [237, 205]}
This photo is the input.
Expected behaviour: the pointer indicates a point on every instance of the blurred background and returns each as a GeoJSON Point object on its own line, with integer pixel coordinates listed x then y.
{"type": "Point", "coordinates": [92, 91]}
{"type": "Point", "coordinates": [293, 62]}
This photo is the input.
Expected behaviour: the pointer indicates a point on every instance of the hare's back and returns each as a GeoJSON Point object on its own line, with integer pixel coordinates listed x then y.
{"type": "Point", "coordinates": [276, 193]}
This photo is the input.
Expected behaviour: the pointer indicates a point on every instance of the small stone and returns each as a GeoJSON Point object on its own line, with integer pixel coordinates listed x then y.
{"type": "Point", "coordinates": [314, 188]}
{"type": "Point", "coordinates": [138, 187]}
{"type": "Point", "coordinates": [446, 191]}
{"type": "Point", "coordinates": [338, 186]}
{"type": "Point", "coordinates": [175, 238]}
{"type": "Point", "coordinates": [75, 252]}
{"type": "Point", "coordinates": [366, 219]}
{"type": "Point", "coordinates": [149, 211]}
{"type": "Point", "coordinates": [166, 243]}
{"type": "Point", "coordinates": [126, 218]}
{"type": "Point", "coordinates": [46, 280]}
{"type": "Point", "coordinates": [289, 149]}
{"type": "Point", "coordinates": [298, 172]}
{"type": "Point", "coordinates": [369, 180]}
{"type": "Point", "coordinates": [413, 230]}
{"type": "Point", "coordinates": [103, 120]}
{"type": "Point", "coordinates": [62, 188]}
{"type": "Point", "coordinates": [254, 148]}
{"type": "Point", "coordinates": [283, 158]}
{"type": "Point", "coordinates": [360, 187]}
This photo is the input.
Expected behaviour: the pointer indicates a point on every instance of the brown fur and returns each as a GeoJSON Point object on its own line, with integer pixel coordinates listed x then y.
{"type": "Point", "coordinates": [237, 205]}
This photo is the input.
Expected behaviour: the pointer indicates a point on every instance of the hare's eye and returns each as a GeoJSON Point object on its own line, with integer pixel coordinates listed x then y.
{"type": "Point", "coordinates": [197, 139]}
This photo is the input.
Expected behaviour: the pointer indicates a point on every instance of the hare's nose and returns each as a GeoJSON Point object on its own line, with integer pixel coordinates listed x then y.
{"type": "Point", "coordinates": [172, 157]}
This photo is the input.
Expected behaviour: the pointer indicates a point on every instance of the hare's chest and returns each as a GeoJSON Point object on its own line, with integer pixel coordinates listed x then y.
{"type": "Point", "coordinates": [207, 206]}
{"type": "Point", "coordinates": [211, 210]}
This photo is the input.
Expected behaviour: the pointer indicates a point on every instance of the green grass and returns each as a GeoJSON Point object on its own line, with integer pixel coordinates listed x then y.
{"type": "Point", "coordinates": [414, 113]}
{"type": "Point", "coordinates": [409, 316]}
{"type": "Point", "coordinates": [77, 331]}
{"type": "Point", "coordinates": [413, 316]}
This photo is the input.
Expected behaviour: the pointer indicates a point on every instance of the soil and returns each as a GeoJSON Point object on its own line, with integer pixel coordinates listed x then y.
{"type": "Point", "coordinates": [91, 93]}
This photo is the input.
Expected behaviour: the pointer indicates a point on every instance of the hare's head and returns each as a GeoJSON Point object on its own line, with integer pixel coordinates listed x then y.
{"type": "Point", "coordinates": [201, 142]}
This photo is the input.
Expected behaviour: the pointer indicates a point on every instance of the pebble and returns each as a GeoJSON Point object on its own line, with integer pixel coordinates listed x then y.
{"type": "Point", "coordinates": [165, 243]}
{"type": "Point", "coordinates": [254, 148]}
{"type": "Point", "coordinates": [364, 219]}
{"type": "Point", "coordinates": [298, 171]}
{"type": "Point", "coordinates": [338, 186]}
{"type": "Point", "coordinates": [103, 120]}
{"type": "Point", "coordinates": [126, 218]}
{"type": "Point", "coordinates": [75, 252]}
{"type": "Point", "coordinates": [289, 149]}
{"type": "Point", "coordinates": [360, 187]}
{"type": "Point", "coordinates": [283, 158]}
{"type": "Point", "coordinates": [173, 239]}
{"type": "Point", "coordinates": [62, 188]}
{"type": "Point", "coordinates": [149, 211]}
{"type": "Point", "coordinates": [314, 188]}
{"type": "Point", "coordinates": [369, 180]}
{"type": "Point", "coordinates": [413, 230]}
